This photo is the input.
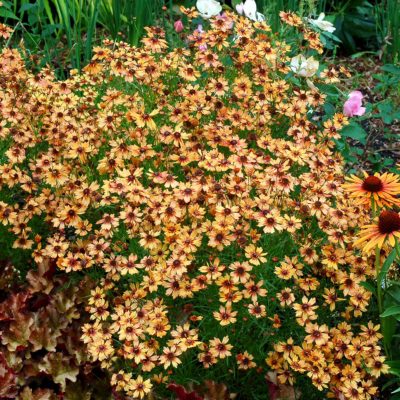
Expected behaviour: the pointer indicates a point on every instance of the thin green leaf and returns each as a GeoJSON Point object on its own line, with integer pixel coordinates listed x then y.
{"type": "Point", "coordinates": [386, 265]}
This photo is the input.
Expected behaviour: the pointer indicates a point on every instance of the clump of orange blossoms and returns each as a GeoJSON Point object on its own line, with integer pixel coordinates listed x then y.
{"type": "Point", "coordinates": [202, 187]}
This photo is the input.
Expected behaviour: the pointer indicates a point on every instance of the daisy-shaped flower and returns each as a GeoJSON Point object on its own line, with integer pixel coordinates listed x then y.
{"type": "Point", "coordinates": [386, 229]}
{"type": "Point", "coordinates": [383, 189]}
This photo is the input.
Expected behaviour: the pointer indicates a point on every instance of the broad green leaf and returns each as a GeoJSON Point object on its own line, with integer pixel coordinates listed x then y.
{"type": "Point", "coordinates": [390, 383]}
{"type": "Point", "coordinates": [393, 310]}
{"type": "Point", "coordinates": [392, 295]}
{"type": "Point", "coordinates": [387, 112]}
{"type": "Point", "coordinates": [395, 364]}
{"type": "Point", "coordinates": [27, 6]}
{"type": "Point", "coordinates": [7, 14]}
{"type": "Point", "coordinates": [394, 69]}
{"type": "Point", "coordinates": [356, 132]}
{"type": "Point", "coordinates": [395, 372]}
{"type": "Point", "coordinates": [49, 30]}
{"type": "Point", "coordinates": [329, 109]}
{"type": "Point", "coordinates": [388, 329]}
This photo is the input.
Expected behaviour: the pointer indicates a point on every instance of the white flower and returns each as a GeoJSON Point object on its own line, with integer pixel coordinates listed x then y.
{"type": "Point", "coordinates": [305, 67]}
{"type": "Point", "coordinates": [249, 9]}
{"type": "Point", "coordinates": [321, 24]}
{"type": "Point", "coordinates": [208, 8]}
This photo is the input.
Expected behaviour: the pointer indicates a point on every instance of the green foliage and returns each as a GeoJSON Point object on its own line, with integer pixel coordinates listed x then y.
{"type": "Point", "coordinates": [361, 25]}
{"type": "Point", "coordinates": [389, 79]}
{"type": "Point", "coordinates": [355, 24]}
{"type": "Point", "coordinates": [63, 32]}
{"type": "Point", "coordinates": [388, 26]}
{"type": "Point", "coordinates": [129, 17]}
{"type": "Point", "coordinates": [355, 142]}
{"type": "Point", "coordinates": [355, 131]}
{"type": "Point", "coordinates": [390, 318]}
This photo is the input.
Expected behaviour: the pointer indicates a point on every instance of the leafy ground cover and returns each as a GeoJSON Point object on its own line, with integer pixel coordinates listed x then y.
{"type": "Point", "coordinates": [373, 141]}
{"type": "Point", "coordinates": [178, 222]}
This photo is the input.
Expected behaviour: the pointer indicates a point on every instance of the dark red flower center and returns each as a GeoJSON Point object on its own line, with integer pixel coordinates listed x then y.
{"type": "Point", "coordinates": [372, 184]}
{"type": "Point", "coordinates": [389, 221]}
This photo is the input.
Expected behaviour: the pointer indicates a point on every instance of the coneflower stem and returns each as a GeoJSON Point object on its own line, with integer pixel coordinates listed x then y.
{"type": "Point", "coordinates": [378, 281]}
{"type": "Point", "coordinates": [373, 207]}
{"type": "Point", "coordinates": [379, 296]}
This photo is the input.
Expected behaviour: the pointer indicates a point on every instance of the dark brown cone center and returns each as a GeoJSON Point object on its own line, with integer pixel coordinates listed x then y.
{"type": "Point", "coordinates": [389, 221]}
{"type": "Point", "coordinates": [372, 184]}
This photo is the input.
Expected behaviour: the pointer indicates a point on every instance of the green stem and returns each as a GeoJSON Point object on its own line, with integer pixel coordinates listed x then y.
{"type": "Point", "coordinates": [373, 210]}
{"type": "Point", "coordinates": [378, 282]}
{"type": "Point", "coordinates": [379, 295]}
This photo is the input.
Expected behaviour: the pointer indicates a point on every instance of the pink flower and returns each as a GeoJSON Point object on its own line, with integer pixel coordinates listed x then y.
{"type": "Point", "coordinates": [353, 106]}
{"type": "Point", "coordinates": [356, 94]}
{"type": "Point", "coordinates": [178, 25]}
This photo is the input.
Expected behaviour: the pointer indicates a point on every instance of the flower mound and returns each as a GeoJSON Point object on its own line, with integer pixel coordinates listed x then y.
{"type": "Point", "coordinates": [194, 184]}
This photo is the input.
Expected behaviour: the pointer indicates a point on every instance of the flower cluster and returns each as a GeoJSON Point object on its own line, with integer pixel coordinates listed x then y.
{"type": "Point", "coordinates": [202, 188]}
{"type": "Point", "coordinates": [378, 192]}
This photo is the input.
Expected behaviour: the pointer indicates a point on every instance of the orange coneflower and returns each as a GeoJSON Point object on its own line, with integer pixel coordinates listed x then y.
{"type": "Point", "coordinates": [383, 189]}
{"type": "Point", "coordinates": [386, 229]}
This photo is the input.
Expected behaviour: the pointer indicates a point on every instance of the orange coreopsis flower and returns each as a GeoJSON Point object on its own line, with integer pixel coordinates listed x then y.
{"type": "Point", "coordinates": [245, 361]}
{"type": "Point", "coordinates": [189, 73]}
{"type": "Point", "coordinates": [5, 31]}
{"type": "Point", "coordinates": [139, 387]}
{"type": "Point", "coordinates": [257, 310]}
{"type": "Point", "coordinates": [207, 359]}
{"type": "Point", "coordinates": [101, 349]}
{"type": "Point", "coordinates": [170, 356]}
{"type": "Point", "coordinates": [120, 379]}
{"type": "Point", "coordinates": [142, 118]}
{"type": "Point", "coordinates": [306, 310]}
{"type": "Point", "coordinates": [383, 189]}
{"type": "Point", "coordinates": [225, 315]}
{"type": "Point", "coordinates": [377, 366]}
{"type": "Point", "coordinates": [385, 229]}
{"type": "Point", "coordinates": [316, 334]}
{"type": "Point", "coordinates": [255, 255]}
{"type": "Point", "coordinates": [286, 297]}
{"type": "Point", "coordinates": [220, 348]}
{"type": "Point", "coordinates": [253, 290]}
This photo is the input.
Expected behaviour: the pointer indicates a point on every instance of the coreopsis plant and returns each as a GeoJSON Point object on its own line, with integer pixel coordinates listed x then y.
{"type": "Point", "coordinates": [201, 187]}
